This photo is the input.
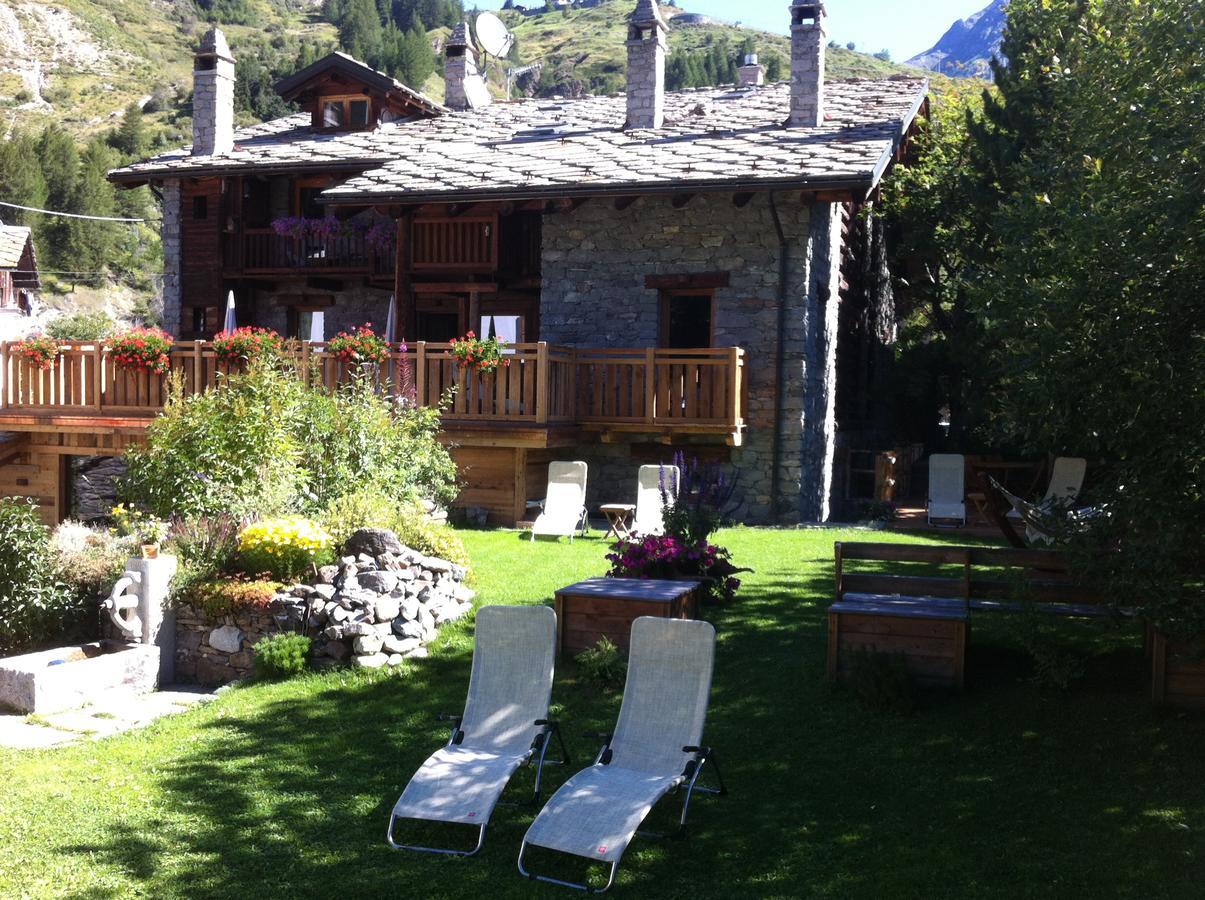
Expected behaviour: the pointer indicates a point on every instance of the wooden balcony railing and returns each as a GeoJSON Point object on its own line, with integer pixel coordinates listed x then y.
{"type": "Point", "coordinates": [263, 250]}
{"type": "Point", "coordinates": [543, 385]}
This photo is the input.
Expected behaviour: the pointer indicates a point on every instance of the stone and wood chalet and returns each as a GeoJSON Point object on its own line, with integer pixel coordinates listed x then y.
{"type": "Point", "coordinates": [18, 269]}
{"type": "Point", "coordinates": [674, 270]}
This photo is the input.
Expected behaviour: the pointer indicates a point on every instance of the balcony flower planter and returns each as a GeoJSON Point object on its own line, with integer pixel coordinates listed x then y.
{"type": "Point", "coordinates": [245, 344]}
{"type": "Point", "coordinates": [39, 350]}
{"type": "Point", "coordinates": [1177, 671]}
{"type": "Point", "coordinates": [362, 348]}
{"type": "Point", "coordinates": [483, 355]}
{"type": "Point", "coordinates": [143, 350]}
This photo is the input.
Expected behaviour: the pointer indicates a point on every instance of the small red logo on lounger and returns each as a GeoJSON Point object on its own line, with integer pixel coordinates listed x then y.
{"type": "Point", "coordinates": [473, 813]}
{"type": "Point", "coordinates": [602, 849]}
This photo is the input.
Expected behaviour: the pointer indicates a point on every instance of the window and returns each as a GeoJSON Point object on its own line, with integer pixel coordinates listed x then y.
{"type": "Point", "coordinates": [345, 112]}
{"type": "Point", "coordinates": [198, 321]}
{"type": "Point", "coordinates": [200, 207]}
{"type": "Point", "coordinates": [686, 319]}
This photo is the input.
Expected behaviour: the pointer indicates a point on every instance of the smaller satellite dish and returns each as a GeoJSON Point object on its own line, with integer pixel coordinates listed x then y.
{"type": "Point", "coordinates": [493, 36]}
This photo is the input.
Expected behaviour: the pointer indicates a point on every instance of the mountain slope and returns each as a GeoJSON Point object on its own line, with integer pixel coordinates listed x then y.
{"type": "Point", "coordinates": [81, 62]}
{"type": "Point", "coordinates": [968, 46]}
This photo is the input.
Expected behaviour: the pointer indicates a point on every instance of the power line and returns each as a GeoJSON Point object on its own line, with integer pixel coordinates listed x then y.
{"type": "Point", "coordinates": [51, 212]}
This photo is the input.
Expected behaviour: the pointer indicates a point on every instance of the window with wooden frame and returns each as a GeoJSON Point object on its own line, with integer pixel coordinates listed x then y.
{"type": "Point", "coordinates": [687, 318]}
{"type": "Point", "coordinates": [306, 194]}
{"type": "Point", "coordinates": [348, 112]}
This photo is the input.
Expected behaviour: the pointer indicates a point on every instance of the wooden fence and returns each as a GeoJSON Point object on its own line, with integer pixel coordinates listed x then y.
{"type": "Point", "coordinates": [538, 384]}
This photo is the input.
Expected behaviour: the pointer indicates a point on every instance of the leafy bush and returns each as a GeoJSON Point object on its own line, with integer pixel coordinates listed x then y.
{"type": "Point", "coordinates": [603, 665]}
{"type": "Point", "coordinates": [263, 443]}
{"type": "Point", "coordinates": [80, 326]}
{"type": "Point", "coordinates": [666, 556]}
{"type": "Point", "coordinates": [34, 605]}
{"type": "Point", "coordinates": [345, 515]}
{"type": "Point", "coordinates": [282, 655]}
{"type": "Point", "coordinates": [89, 560]}
{"type": "Point", "coordinates": [229, 596]}
{"type": "Point", "coordinates": [205, 547]}
{"type": "Point", "coordinates": [416, 530]}
{"type": "Point", "coordinates": [284, 547]}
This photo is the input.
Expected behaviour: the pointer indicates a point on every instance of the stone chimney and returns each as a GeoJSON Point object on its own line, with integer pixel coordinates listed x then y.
{"type": "Point", "coordinates": [213, 96]}
{"type": "Point", "coordinates": [807, 64]}
{"type": "Point", "coordinates": [646, 66]}
{"type": "Point", "coordinates": [464, 86]}
{"type": "Point", "coordinates": [752, 73]}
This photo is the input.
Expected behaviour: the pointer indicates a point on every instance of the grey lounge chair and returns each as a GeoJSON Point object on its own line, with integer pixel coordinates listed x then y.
{"type": "Point", "coordinates": [505, 725]}
{"type": "Point", "coordinates": [655, 749]}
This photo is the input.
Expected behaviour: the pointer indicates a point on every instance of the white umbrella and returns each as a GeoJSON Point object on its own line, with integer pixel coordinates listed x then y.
{"type": "Point", "coordinates": [229, 325]}
{"type": "Point", "coordinates": [391, 321]}
{"type": "Point", "coordinates": [317, 326]}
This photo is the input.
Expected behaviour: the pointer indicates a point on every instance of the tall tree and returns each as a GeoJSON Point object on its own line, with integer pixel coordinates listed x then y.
{"type": "Point", "coordinates": [130, 137]}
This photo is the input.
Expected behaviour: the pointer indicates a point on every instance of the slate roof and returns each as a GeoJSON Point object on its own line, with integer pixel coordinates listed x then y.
{"type": "Point", "coordinates": [717, 138]}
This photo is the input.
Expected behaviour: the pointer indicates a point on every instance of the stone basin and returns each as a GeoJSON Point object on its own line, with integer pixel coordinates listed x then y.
{"type": "Point", "coordinates": [66, 677]}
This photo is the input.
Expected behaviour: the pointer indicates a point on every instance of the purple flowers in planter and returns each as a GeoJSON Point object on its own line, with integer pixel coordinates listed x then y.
{"type": "Point", "coordinates": [376, 233]}
{"type": "Point", "coordinates": [666, 556]}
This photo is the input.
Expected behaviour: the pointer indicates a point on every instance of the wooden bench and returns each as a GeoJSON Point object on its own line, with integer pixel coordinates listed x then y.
{"type": "Point", "coordinates": [924, 616]}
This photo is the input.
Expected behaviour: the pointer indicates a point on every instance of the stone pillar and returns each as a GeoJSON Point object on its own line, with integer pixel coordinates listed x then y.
{"type": "Point", "coordinates": [213, 97]}
{"type": "Point", "coordinates": [752, 73]}
{"type": "Point", "coordinates": [646, 66]}
{"type": "Point", "coordinates": [169, 232]}
{"type": "Point", "coordinates": [807, 64]}
{"type": "Point", "coordinates": [464, 86]}
{"type": "Point", "coordinates": [819, 421]}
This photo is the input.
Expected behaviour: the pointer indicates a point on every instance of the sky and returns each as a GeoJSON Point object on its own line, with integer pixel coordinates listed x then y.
{"type": "Point", "coordinates": [905, 28]}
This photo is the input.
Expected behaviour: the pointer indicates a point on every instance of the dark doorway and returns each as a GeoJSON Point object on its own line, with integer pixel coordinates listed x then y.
{"type": "Point", "coordinates": [438, 327]}
{"type": "Point", "coordinates": [686, 319]}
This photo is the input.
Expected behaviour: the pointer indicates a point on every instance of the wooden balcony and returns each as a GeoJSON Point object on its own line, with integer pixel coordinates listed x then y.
{"type": "Point", "coordinates": [542, 387]}
{"type": "Point", "coordinates": [261, 251]}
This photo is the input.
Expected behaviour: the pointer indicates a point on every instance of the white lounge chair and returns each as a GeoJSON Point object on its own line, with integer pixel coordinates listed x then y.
{"type": "Point", "coordinates": [1066, 481]}
{"type": "Point", "coordinates": [947, 488]}
{"type": "Point", "coordinates": [655, 749]}
{"type": "Point", "coordinates": [505, 725]}
{"type": "Point", "coordinates": [651, 480]}
{"type": "Point", "coordinates": [564, 508]}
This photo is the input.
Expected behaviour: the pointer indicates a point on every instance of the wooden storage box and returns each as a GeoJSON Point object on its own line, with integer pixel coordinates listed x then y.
{"type": "Point", "coordinates": [931, 637]}
{"type": "Point", "coordinates": [606, 607]}
{"type": "Point", "coordinates": [1177, 672]}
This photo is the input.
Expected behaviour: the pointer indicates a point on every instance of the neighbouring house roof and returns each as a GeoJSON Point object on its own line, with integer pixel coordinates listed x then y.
{"type": "Point", "coordinates": [713, 138]}
{"type": "Point", "coordinates": [351, 68]}
{"type": "Point", "coordinates": [16, 252]}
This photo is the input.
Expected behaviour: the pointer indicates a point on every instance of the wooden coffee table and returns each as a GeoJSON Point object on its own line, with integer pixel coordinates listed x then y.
{"type": "Point", "coordinates": [606, 607]}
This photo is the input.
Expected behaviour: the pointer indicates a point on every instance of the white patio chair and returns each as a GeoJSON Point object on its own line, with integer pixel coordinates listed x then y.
{"type": "Point", "coordinates": [655, 749]}
{"type": "Point", "coordinates": [564, 509]}
{"type": "Point", "coordinates": [505, 725]}
{"type": "Point", "coordinates": [947, 488]}
{"type": "Point", "coordinates": [651, 480]}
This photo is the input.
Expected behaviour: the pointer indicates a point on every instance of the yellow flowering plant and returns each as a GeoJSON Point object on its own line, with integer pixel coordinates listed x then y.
{"type": "Point", "coordinates": [284, 547]}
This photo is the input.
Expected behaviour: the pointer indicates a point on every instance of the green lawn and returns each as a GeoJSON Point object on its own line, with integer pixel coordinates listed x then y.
{"type": "Point", "coordinates": [1010, 790]}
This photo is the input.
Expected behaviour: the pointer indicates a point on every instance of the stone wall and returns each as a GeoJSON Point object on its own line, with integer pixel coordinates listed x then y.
{"type": "Point", "coordinates": [169, 231]}
{"type": "Point", "coordinates": [354, 305]}
{"type": "Point", "coordinates": [595, 261]}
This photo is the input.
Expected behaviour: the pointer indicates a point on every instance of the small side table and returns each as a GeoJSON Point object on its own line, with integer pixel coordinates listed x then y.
{"type": "Point", "coordinates": [606, 607]}
{"type": "Point", "coordinates": [618, 516]}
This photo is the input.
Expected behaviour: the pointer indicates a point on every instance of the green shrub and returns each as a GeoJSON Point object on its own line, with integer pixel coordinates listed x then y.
{"type": "Point", "coordinates": [34, 605]}
{"type": "Point", "coordinates": [345, 515]}
{"type": "Point", "coordinates": [205, 548]}
{"type": "Point", "coordinates": [603, 665]}
{"type": "Point", "coordinates": [80, 326]}
{"type": "Point", "coordinates": [282, 655]}
{"type": "Point", "coordinates": [285, 548]}
{"type": "Point", "coordinates": [263, 443]}
{"type": "Point", "coordinates": [416, 530]}
{"type": "Point", "coordinates": [232, 595]}
{"type": "Point", "coordinates": [89, 560]}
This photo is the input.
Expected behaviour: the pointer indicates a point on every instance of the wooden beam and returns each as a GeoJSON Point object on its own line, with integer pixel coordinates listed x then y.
{"type": "Point", "coordinates": [687, 280]}
{"type": "Point", "coordinates": [742, 198]}
{"type": "Point", "coordinates": [680, 200]}
{"type": "Point", "coordinates": [454, 287]}
{"type": "Point", "coordinates": [566, 206]}
{"type": "Point", "coordinates": [407, 313]}
{"type": "Point", "coordinates": [622, 203]}
{"type": "Point", "coordinates": [809, 197]}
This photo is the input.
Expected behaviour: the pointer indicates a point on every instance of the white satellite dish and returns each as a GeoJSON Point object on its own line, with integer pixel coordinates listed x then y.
{"type": "Point", "coordinates": [493, 36]}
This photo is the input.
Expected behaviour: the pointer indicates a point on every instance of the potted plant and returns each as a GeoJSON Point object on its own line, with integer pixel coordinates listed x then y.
{"type": "Point", "coordinates": [147, 530]}
{"type": "Point", "coordinates": [142, 350]}
{"type": "Point", "coordinates": [247, 343]}
{"type": "Point", "coordinates": [360, 347]}
{"type": "Point", "coordinates": [39, 350]}
{"type": "Point", "coordinates": [483, 354]}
